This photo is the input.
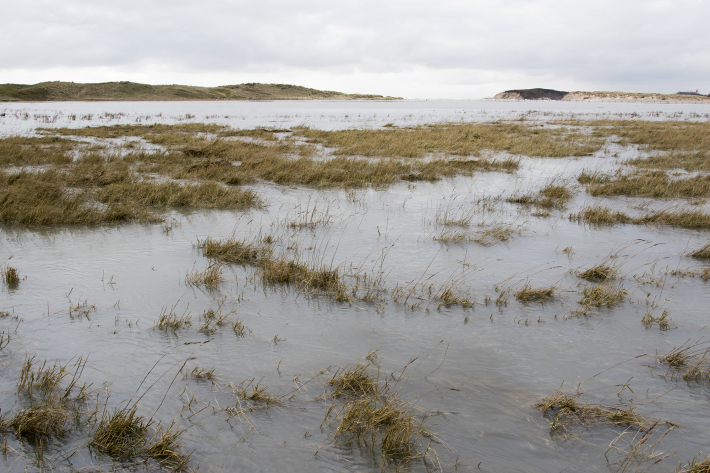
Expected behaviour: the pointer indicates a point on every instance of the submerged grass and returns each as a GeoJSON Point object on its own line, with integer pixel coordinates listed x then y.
{"type": "Point", "coordinates": [124, 435]}
{"type": "Point", "coordinates": [566, 411]}
{"type": "Point", "coordinates": [370, 413]}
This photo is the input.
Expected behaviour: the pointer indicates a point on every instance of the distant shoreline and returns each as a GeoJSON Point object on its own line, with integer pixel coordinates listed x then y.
{"type": "Point", "coordinates": [131, 91]}
{"type": "Point", "coordinates": [579, 96]}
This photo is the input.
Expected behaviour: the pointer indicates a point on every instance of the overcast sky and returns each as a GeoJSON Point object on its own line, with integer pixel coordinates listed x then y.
{"type": "Point", "coordinates": [412, 48]}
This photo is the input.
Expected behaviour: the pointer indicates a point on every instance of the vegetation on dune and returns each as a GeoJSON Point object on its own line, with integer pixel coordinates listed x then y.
{"type": "Point", "coordinates": [124, 90]}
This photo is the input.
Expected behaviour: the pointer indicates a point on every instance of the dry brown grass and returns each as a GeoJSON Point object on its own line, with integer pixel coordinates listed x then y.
{"type": "Point", "coordinates": [145, 194]}
{"type": "Point", "coordinates": [10, 275]}
{"type": "Point", "coordinates": [534, 294]}
{"type": "Point", "coordinates": [370, 413]}
{"type": "Point", "coordinates": [35, 151]}
{"type": "Point", "coordinates": [599, 272]}
{"type": "Point", "coordinates": [653, 184]}
{"type": "Point", "coordinates": [353, 382]}
{"type": "Point", "coordinates": [678, 217]}
{"type": "Point", "coordinates": [674, 217]}
{"type": "Point", "coordinates": [37, 199]}
{"type": "Point", "coordinates": [209, 277]}
{"type": "Point", "coordinates": [169, 320]}
{"type": "Point", "coordinates": [311, 277]}
{"type": "Point", "coordinates": [690, 361]}
{"type": "Point", "coordinates": [687, 160]}
{"type": "Point", "coordinates": [125, 436]}
{"type": "Point", "coordinates": [566, 410]}
{"type": "Point", "coordinates": [495, 234]}
{"type": "Point", "coordinates": [663, 321]}
{"type": "Point", "coordinates": [456, 139]}
{"type": "Point", "coordinates": [552, 195]}
{"type": "Point", "coordinates": [605, 294]}
{"type": "Point", "coordinates": [599, 215]}
{"type": "Point", "coordinates": [701, 253]}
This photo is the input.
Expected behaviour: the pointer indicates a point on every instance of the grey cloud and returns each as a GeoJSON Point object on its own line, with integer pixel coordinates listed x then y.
{"type": "Point", "coordinates": [601, 41]}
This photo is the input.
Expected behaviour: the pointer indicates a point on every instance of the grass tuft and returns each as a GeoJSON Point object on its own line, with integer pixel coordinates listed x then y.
{"type": "Point", "coordinates": [535, 294]}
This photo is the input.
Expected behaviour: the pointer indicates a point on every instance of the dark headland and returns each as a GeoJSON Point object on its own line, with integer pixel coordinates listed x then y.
{"type": "Point", "coordinates": [550, 94]}
{"type": "Point", "coordinates": [132, 91]}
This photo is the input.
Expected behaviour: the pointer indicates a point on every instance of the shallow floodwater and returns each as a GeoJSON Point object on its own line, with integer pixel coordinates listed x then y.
{"type": "Point", "coordinates": [477, 373]}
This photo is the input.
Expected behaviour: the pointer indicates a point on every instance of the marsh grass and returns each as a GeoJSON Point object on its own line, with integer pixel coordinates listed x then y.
{"type": "Point", "coordinates": [123, 435]}
{"type": "Point", "coordinates": [369, 412]}
{"type": "Point", "coordinates": [39, 199]}
{"type": "Point", "coordinates": [466, 139]}
{"type": "Point", "coordinates": [663, 321]}
{"type": "Point", "coordinates": [566, 410]}
{"type": "Point", "coordinates": [452, 213]}
{"type": "Point", "coordinates": [674, 217]}
{"type": "Point", "coordinates": [353, 382]}
{"type": "Point", "coordinates": [36, 151]}
{"type": "Point", "coordinates": [495, 234]}
{"type": "Point", "coordinates": [170, 321]}
{"type": "Point", "coordinates": [213, 320]}
{"type": "Point", "coordinates": [52, 398]}
{"type": "Point", "coordinates": [696, 465]}
{"type": "Point", "coordinates": [552, 195]}
{"type": "Point", "coordinates": [210, 277]}
{"type": "Point", "coordinates": [10, 276]}
{"type": "Point", "coordinates": [655, 184]}
{"type": "Point", "coordinates": [239, 329]}
{"type": "Point", "coordinates": [599, 215]}
{"type": "Point", "coordinates": [701, 253]}
{"type": "Point", "coordinates": [203, 374]}
{"type": "Point", "coordinates": [690, 361]}
{"type": "Point", "coordinates": [687, 160]}
{"type": "Point", "coordinates": [534, 294]}
{"type": "Point", "coordinates": [602, 295]}
{"type": "Point", "coordinates": [256, 393]}
{"type": "Point", "coordinates": [600, 272]}
{"type": "Point", "coordinates": [310, 277]}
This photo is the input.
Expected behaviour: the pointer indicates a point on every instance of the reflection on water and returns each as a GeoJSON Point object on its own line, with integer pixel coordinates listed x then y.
{"type": "Point", "coordinates": [477, 372]}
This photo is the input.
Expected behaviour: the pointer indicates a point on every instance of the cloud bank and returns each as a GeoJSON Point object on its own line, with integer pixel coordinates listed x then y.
{"type": "Point", "coordinates": [449, 49]}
